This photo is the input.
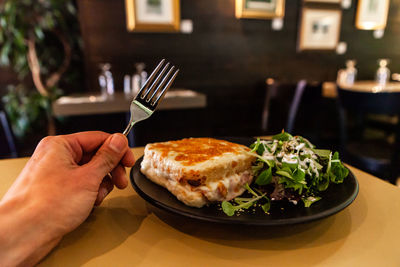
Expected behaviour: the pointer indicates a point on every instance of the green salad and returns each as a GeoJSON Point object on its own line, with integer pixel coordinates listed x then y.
{"type": "Point", "coordinates": [288, 168]}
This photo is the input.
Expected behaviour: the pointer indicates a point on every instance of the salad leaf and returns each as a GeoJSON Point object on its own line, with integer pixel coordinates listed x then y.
{"type": "Point", "coordinates": [338, 171]}
{"type": "Point", "coordinates": [230, 209]}
{"type": "Point", "coordinates": [257, 168]}
{"type": "Point", "coordinates": [265, 177]}
{"type": "Point", "coordinates": [310, 200]}
{"type": "Point", "coordinates": [266, 207]}
{"type": "Point", "coordinates": [285, 172]}
{"type": "Point", "coordinates": [244, 203]}
{"type": "Point", "coordinates": [299, 175]}
{"type": "Point", "coordinates": [323, 153]}
{"type": "Point", "coordinates": [289, 167]}
{"type": "Point", "coordinates": [257, 147]}
{"type": "Point", "coordinates": [324, 182]}
{"type": "Point", "coordinates": [283, 136]}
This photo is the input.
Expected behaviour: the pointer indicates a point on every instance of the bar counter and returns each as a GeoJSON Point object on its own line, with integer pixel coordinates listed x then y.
{"type": "Point", "coordinates": [125, 231]}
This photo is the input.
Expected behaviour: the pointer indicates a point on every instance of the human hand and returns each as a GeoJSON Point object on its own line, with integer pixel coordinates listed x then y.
{"type": "Point", "coordinates": [65, 177]}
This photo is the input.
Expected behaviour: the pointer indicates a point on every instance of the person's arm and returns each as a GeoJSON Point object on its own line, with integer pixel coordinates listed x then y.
{"type": "Point", "coordinates": [65, 177]}
{"type": "Point", "coordinates": [24, 239]}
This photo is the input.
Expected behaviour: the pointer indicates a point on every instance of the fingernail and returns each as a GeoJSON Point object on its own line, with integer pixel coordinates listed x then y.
{"type": "Point", "coordinates": [117, 143]}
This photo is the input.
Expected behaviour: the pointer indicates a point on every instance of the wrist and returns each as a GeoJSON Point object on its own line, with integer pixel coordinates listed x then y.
{"type": "Point", "coordinates": [24, 239]}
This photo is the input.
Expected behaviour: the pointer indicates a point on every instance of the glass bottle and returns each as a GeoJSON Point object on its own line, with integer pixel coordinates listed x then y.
{"type": "Point", "coordinates": [383, 72]}
{"type": "Point", "coordinates": [139, 77]}
{"type": "Point", "coordinates": [106, 80]}
{"type": "Point", "coordinates": [351, 72]}
{"type": "Point", "coordinates": [127, 85]}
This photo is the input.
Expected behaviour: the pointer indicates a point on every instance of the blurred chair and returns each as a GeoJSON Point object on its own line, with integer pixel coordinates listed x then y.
{"type": "Point", "coordinates": [376, 154]}
{"type": "Point", "coordinates": [294, 107]}
{"type": "Point", "coordinates": [7, 144]}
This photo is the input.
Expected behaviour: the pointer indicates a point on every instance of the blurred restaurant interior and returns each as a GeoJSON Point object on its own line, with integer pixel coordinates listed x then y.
{"type": "Point", "coordinates": [323, 69]}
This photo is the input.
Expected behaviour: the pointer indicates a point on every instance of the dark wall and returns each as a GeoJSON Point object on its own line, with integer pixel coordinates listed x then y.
{"type": "Point", "coordinates": [224, 52]}
{"type": "Point", "coordinates": [226, 58]}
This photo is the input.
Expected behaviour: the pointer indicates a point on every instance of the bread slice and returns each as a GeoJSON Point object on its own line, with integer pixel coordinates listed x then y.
{"type": "Point", "coordinates": [199, 171]}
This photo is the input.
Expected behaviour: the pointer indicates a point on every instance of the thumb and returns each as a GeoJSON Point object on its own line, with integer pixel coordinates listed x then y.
{"type": "Point", "coordinates": [108, 156]}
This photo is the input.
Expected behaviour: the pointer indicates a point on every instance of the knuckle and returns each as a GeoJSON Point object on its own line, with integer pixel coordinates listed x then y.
{"type": "Point", "coordinates": [51, 140]}
{"type": "Point", "coordinates": [46, 142]}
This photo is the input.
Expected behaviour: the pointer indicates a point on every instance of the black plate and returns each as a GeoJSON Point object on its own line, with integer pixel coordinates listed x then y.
{"type": "Point", "coordinates": [334, 199]}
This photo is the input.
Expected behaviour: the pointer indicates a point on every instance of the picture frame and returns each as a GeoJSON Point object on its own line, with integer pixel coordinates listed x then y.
{"type": "Point", "coordinates": [323, 1]}
{"type": "Point", "coordinates": [152, 15]}
{"type": "Point", "coordinates": [372, 14]}
{"type": "Point", "coordinates": [259, 9]}
{"type": "Point", "coordinates": [319, 29]}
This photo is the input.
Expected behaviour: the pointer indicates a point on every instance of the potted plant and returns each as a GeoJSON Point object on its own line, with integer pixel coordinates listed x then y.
{"type": "Point", "coordinates": [40, 40]}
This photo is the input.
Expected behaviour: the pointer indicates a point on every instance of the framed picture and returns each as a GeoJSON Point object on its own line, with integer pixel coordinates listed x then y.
{"type": "Point", "coordinates": [372, 14]}
{"type": "Point", "coordinates": [319, 29]}
{"type": "Point", "coordinates": [152, 15]}
{"type": "Point", "coordinates": [260, 9]}
{"type": "Point", "coordinates": [323, 1]}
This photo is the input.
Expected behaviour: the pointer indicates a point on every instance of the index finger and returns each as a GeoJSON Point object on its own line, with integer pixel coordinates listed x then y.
{"type": "Point", "coordinates": [85, 142]}
{"type": "Point", "coordinates": [89, 141]}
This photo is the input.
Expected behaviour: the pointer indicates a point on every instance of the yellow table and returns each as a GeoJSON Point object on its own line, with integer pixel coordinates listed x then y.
{"type": "Point", "coordinates": [122, 232]}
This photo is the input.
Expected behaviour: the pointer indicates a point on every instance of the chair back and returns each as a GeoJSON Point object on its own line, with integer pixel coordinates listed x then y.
{"type": "Point", "coordinates": [7, 144]}
{"type": "Point", "coordinates": [290, 106]}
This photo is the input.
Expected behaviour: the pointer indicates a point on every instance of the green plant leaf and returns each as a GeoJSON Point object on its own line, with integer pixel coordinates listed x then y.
{"type": "Point", "coordinates": [4, 54]}
{"type": "Point", "coordinates": [265, 177]}
{"type": "Point", "coordinates": [39, 33]}
{"type": "Point", "coordinates": [3, 23]}
{"type": "Point", "coordinates": [324, 182]}
{"type": "Point", "coordinates": [228, 208]}
{"type": "Point", "coordinates": [284, 136]}
{"type": "Point", "coordinates": [324, 153]}
{"type": "Point", "coordinates": [267, 206]}
{"type": "Point", "coordinates": [257, 147]}
{"type": "Point", "coordinates": [19, 39]}
{"type": "Point", "coordinates": [308, 201]}
{"type": "Point", "coordinates": [285, 173]}
{"type": "Point", "coordinates": [299, 175]}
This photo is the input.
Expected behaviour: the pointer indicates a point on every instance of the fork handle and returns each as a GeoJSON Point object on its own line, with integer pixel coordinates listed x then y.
{"type": "Point", "coordinates": [128, 128]}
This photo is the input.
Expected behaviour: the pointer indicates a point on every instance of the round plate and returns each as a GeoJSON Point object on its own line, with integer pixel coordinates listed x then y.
{"type": "Point", "coordinates": [334, 199]}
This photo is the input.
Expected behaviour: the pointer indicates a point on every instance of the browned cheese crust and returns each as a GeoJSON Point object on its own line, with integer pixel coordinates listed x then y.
{"type": "Point", "coordinates": [199, 170]}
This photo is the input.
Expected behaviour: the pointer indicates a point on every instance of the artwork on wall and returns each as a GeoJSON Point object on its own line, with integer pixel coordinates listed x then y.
{"type": "Point", "coordinates": [372, 14]}
{"type": "Point", "coordinates": [152, 15]}
{"type": "Point", "coordinates": [323, 1]}
{"type": "Point", "coordinates": [260, 9]}
{"type": "Point", "coordinates": [319, 29]}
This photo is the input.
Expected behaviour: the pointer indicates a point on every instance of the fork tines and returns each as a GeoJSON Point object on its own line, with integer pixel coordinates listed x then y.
{"type": "Point", "coordinates": [151, 92]}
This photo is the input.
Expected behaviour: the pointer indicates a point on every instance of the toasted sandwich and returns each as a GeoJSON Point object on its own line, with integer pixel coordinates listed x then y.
{"type": "Point", "coordinates": [199, 171]}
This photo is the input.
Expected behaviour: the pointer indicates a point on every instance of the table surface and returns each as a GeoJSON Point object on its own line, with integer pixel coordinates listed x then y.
{"type": "Point", "coordinates": [124, 231]}
{"type": "Point", "coordinates": [372, 87]}
{"type": "Point", "coordinates": [91, 104]}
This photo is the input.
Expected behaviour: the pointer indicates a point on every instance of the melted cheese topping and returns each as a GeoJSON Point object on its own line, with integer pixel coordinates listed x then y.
{"type": "Point", "coordinates": [191, 151]}
{"type": "Point", "coordinates": [199, 170]}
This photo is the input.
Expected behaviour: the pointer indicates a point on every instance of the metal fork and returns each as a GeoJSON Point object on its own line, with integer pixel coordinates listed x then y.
{"type": "Point", "coordinates": [151, 94]}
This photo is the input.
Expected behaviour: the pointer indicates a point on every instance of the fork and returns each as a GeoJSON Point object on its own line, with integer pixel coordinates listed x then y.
{"type": "Point", "coordinates": [150, 95]}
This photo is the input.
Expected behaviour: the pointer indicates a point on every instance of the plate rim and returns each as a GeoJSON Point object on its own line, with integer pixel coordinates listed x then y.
{"type": "Point", "coordinates": [228, 220]}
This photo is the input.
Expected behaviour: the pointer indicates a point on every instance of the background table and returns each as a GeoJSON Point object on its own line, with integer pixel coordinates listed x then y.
{"type": "Point", "coordinates": [329, 89]}
{"type": "Point", "coordinates": [91, 104]}
{"type": "Point", "coordinates": [372, 87]}
{"type": "Point", "coordinates": [124, 232]}
{"type": "Point", "coordinates": [96, 104]}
